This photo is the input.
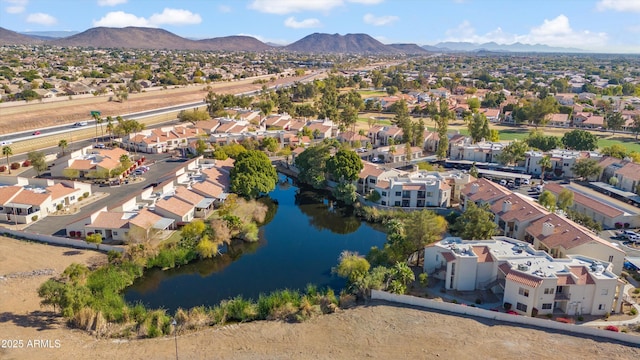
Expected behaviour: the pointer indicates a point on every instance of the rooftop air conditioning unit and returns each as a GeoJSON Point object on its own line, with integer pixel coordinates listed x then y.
{"type": "Point", "coordinates": [523, 267]}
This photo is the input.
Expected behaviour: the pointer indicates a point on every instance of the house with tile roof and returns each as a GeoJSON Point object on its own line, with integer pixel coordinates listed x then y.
{"type": "Point", "coordinates": [482, 191]}
{"type": "Point", "coordinates": [25, 200]}
{"type": "Point", "coordinates": [485, 151]}
{"type": "Point", "coordinates": [415, 190]}
{"type": "Point", "coordinates": [561, 237]}
{"type": "Point", "coordinates": [628, 177]}
{"type": "Point", "coordinates": [558, 120]}
{"type": "Point", "coordinates": [513, 214]}
{"type": "Point", "coordinates": [530, 280]}
{"type": "Point", "coordinates": [592, 204]}
{"type": "Point", "coordinates": [396, 153]}
{"type": "Point", "coordinates": [173, 208]}
{"type": "Point", "coordinates": [88, 161]}
{"type": "Point", "coordinates": [562, 161]}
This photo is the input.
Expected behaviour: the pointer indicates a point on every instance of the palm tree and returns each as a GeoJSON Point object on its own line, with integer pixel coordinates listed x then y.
{"type": "Point", "coordinates": [7, 151]}
{"type": "Point", "coordinates": [545, 163]}
{"type": "Point", "coordinates": [62, 144]}
{"type": "Point", "coordinates": [110, 128]}
{"type": "Point", "coordinates": [98, 120]}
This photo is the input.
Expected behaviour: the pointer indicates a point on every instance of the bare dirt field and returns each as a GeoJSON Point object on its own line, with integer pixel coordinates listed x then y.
{"type": "Point", "coordinates": [37, 115]}
{"type": "Point", "coordinates": [377, 331]}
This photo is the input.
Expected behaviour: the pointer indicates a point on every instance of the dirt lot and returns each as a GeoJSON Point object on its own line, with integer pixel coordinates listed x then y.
{"type": "Point", "coordinates": [37, 115]}
{"type": "Point", "coordinates": [377, 331]}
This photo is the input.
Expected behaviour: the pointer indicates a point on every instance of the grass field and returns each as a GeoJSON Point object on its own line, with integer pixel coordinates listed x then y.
{"type": "Point", "coordinates": [368, 93]}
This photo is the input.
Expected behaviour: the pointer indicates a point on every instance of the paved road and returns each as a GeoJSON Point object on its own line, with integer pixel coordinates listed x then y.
{"type": "Point", "coordinates": [56, 224]}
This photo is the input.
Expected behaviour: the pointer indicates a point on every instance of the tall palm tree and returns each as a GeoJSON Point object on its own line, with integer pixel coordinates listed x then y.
{"type": "Point", "coordinates": [96, 116]}
{"type": "Point", "coordinates": [110, 128]}
{"type": "Point", "coordinates": [62, 144]}
{"type": "Point", "coordinates": [7, 151]}
{"type": "Point", "coordinates": [545, 163]}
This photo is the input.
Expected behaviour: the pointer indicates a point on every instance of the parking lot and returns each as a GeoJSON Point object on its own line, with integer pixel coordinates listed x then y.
{"type": "Point", "coordinates": [162, 165]}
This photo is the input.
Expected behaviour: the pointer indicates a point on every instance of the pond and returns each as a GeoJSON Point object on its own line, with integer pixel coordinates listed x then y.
{"type": "Point", "coordinates": [298, 246]}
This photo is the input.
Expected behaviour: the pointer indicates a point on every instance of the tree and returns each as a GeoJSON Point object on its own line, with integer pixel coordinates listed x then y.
{"type": "Point", "coordinates": [635, 128]}
{"type": "Point", "coordinates": [192, 233]}
{"type": "Point", "coordinates": [475, 223]}
{"type": "Point", "coordinates": [545, 163]}
{"type": "Point", "coordinates": [614, 120]}
{"type": "Point", "coordinates": [7, 152]}
{"type": "Point", "coordinates": [350, 264]}
{"type": "Point", "coordinates": [71, 174]}
{"type": "Point", "coordinates": [565, 199]}
{"type": "Point", "coordinates": [474, 104]}
{"type": "Point", "coordinates": [513, 152]}
{"type": "Point", "coordinates": [345, 165]}
{"type": "Point", "coordinates": [615, 150]}
{"type": "Point", "coordinates": [193, 116]}
{"type": "Point", "coordinates": [62, 144]}
{"type": "Point", "coordinates": [201, 146]}
{"type": "Point", "coordinates": [538, 140]}
{"type": "Point", "coordinates": [399, 276]}
{"type": "Point", "coordinates": [270, 144]}
{"type": "Point", "coordinates": [580, 140]}
{"type": "Point", "coordinates": [586, 168]}
{"type": "Point", "coordinates": [95, 238]}
{"type": "Point", "coordinates": [478, 127]}
{"type": "Point", "coordinates": [422, 228]}
{"type": "Point", "coordinates": [37, 160]}
{"type": "Point", "coordinates": [474, 170]}
{"type": "Point", "coordinates": [541, 108]}
{"type": "Point", "coordinates": [52, 292]}
{"type": "Point", "coordinates": [613, 181]}
{"type": "Point", "coordinates": [312, 163]}
{"type": "Point", "coordinates": [548, 200]}
{"type": "Point", "coordinates": [494, 135]}
{"type": "Point", "coordinates": [206, 248]}
{"type": "Point", "coordinates": [253, 174]}
{"type": "Point", "coordinates": [345, 192]}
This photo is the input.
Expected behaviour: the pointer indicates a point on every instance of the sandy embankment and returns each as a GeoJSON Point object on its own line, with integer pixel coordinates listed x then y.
{"type": "Point", "coordinates": [377, 331]}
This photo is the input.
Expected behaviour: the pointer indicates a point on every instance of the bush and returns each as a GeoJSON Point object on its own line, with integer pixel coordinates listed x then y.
{"type": "Point", "coordinates": [34, 218]}
{"type": "Point", "coordinates": [478, 301]}
{"type": "Point", "coordinates": [580, 318]}
{"type": "Point", "coordinates": [15, 166]}
{"type": "Point", "coordinates": [26, 163]}
{"type": "Point", "coordinates": [626, 225]}
{"type": "Point", "coordinates": [636, 291]}
{"type": "Point", "coordinates": [618, 225]}
{"type": "Point", "coordinates": [633, 311]}
{"type": "Point", "coordinates": [86, 194]}
{"type": "Point", "coordinates": [59, 207]}
{"type": "Point", "coordinates": [3, 168]}
{"type": "Point", "coordinates": [507, 306]}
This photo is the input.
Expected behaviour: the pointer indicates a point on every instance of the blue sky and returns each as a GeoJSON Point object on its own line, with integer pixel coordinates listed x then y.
{"type": "Point", "coordinates": [598, 25]}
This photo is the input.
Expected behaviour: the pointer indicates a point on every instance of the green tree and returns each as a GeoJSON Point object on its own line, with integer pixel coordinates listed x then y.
{"type": "Point", "coordinates": [253, 174]}
{"type": "Point", "coordinates": [545, 163]}
{"type": "Point", "coordinates": [474, 170]}
{"type": "Point", "coordinates": [201, 146]}
{"type": "Point", "coordinates": [475, 223]}
{"type": "Point", "coordinates": [400, 275]}
{"type": "Point", "coordinates": [312, 165]}
{"type": "Point", "coordinates": [615, 150]}
{"type": "Point", "coordinates": [478, 127]}
{"type": "Point", "coordinates": [548, 200]}
{"type": "Point", "coordinates": [7, 151]}
{"type": "Point", "coordinates": [193, 116]}
{"type": "Point", "coordinates": [586, 168]}
{"type": "Point", "coordinates": [494, 135]}
{"type": "Point", "coordinates": [192, 233]}
{"type": "Point", "coordinates": [71, 174]}
{"type": "Point", "coordinates": [270, 144]}
{"type": "Point", "coordinates": [206, 248]}
{"type": "Point", "coordinates": [351, 264]}
{"type": "Point", "coordinates": [62, 144]}
{"type": "Point", "coordinates": [541, 108]}
{"type": "Point", "coordinates": [538, 140]}
{"type": "Point", "coordinates": [635, 127]}
{"type": "Point", "coordinates": [565, 199]}
{"type": "Point", "coordinates": [37, 160]}
{"type": "Point", "coordinates": [52, 292]}
{"type": "Point", "coordinates": [345, 192]}
{"type": "Point", "coordinates": [614, 120]}
{"type": "Point", "coordinates": [422, 228]}
{"type": "Point", "coordinates": [474, 104]}
{"type": "Point", "coordinates": [580, 140]}
{"type": "Point", "coordinates": [513, 152]}
{"type": "Point", "coordinates": [95, 238]}
{"type": "Point", "coordinates": [345, 165]}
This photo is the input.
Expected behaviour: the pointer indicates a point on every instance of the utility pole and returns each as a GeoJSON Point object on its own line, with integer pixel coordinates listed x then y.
{"type": "Point", "coordinates": [175, 335]}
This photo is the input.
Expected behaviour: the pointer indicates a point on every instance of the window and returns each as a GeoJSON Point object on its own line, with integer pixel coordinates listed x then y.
{"type": "Point", "coordinates": [373, 181]}
{"type": "Point", "coordinates": [72, 198]}
{"type": "Point", "coordinates": [605, 292]}
{"type": "Point", "coordinates": [611, 258]}
{"type": "Point", "coordinates": [548, 291]}
{"type": "Point", "coordinates": [429, 194]}
{"type": "Point", "coordinates": [398, 193]}
{"type": "Point", "coordinates": [547, 306]}
{"type": "Point", "coordinates": [522, 307]}
{"type": "Point", "coordinates": [406, 194]}
{"type": "Point", "coordinates": [384, 193]}
{"type": "Point", "coordinates": [397, 203]}
{"type": "Point", "coordinates": [601, 307]}
{"type": "Point", "coordinates": [115, 233]}
{"type": "Point", "coordinates": [524, 292]}
{"type": "Point", "coordinates": [383, 202]}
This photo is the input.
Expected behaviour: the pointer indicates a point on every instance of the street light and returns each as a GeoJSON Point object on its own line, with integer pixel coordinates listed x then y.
{"type": "Point", "coordinates": [175, 334]}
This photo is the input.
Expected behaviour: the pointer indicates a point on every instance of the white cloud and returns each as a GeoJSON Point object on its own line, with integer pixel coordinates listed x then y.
{"type": "Point", "coordinates": [167, 17]}
{"type": "Point", "coordinates": [282, 7]}
{"type": "Point", "coordinates": [16, 6]}
{"type": "Point", "coordinates": [224, 8]}
{"type": "Point", "coordinates": [379, 20]}
{"type": "Point", "coordinates": [554, 32]}
{"type": "Point", "coordinates": [619, 5]}
{"type": "Point", "coordinates": [633, 28]}
{"type": "Point", "coordinates": [121, 19]}
{"type": "Point", "coordinates": [265, 40]}
{"type": "Point", "coordinates": [175, 17]}
{"type": "Point", "coordinates": [42, 19]}
{"type": "Point", "coordinates": [111, 2]}
{"type": "Point", "coordinates": [306, 23]}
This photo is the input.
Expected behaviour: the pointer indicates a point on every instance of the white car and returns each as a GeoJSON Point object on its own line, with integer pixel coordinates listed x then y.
{"type": "Point", "coordinates": [525, 181]}
{"type": "Point", "coordinates": [81, 123]}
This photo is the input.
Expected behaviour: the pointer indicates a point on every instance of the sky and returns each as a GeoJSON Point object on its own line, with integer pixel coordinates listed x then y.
{"type": "Point", "coordinates": [596, 25]}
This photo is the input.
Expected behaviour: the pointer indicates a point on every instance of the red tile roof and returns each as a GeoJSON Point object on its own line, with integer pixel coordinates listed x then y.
{"type": "Point", "coordinates": [586, 201]}
{"type": "Point", "coordinates": [524, 279]}
{"type": "Point", "coordinates": [448, 256]}
{"type": "Point", "coordinates": [483, 253]}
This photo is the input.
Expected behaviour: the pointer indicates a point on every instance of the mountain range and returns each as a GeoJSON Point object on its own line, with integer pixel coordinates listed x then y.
{"type": "Point", "coordinates": [155, 38]}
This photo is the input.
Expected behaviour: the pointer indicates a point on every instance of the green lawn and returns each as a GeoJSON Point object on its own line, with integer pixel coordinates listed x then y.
{"type": "Point", "coordinates": [629, 143]}
{"type": "Point", "coordinates": [372, 93]}
{"type": "Point", "coordinates": [378, 121]}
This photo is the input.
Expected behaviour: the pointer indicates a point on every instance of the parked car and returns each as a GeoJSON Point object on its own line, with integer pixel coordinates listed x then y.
{"type": "Point", "coordinates": [525, 181]}
{"type": "Point", "coordinates": [99, 146]}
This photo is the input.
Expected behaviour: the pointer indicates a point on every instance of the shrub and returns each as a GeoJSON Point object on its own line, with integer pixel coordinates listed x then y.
{"type": "Point", "coordinates": [633, 311]}
{"type": "Point", "coordinates": [507, 306]}
{"type": "Point", "coordinates": [59, 207]}
{"type": "Point", "coordinates": [636, 291]}
{"type": "Point", "coordinates": [612, 328]}
{"type": "Point", "coordinates": [606, 316]}
{"type": "Point", "coordinates": [3, 168]}
{"type": "Point", "coordinates": [618, 225]}
{"type": "Point", "coordinates": [549, 316]}
{"type": "Point", "coordinates": [626, 225]}
{"type": "Point", "coordinates": [26, 163]}
{"type": "Point", "coordinates": [86, 194]}
{"type": "Point", "coordinates": [478, 301]}
{"type": "Point", "coordinates": [454, 301]}
{"type": "Point", "coordinates": [424, 279]}
{"type": "Point", "coordinates": [15, 166]}
{"type": "Point", "coordinates": [580, 318]}
{"type": "Point", "coordinates": [34, 218]}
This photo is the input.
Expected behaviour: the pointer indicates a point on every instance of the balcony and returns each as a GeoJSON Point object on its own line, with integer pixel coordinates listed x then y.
{"type": "Point", "coordinates": [562, 297]}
